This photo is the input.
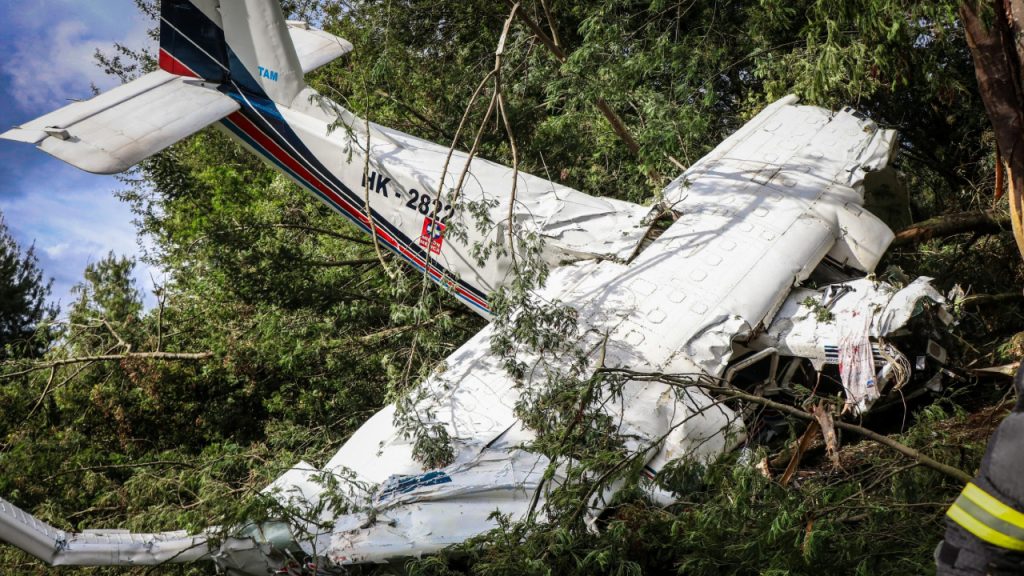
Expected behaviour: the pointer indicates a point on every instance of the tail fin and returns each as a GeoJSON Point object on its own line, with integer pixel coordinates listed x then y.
{"type": "Point", "coordinates": [245, 42]}
{"type": "Point", "coordinates": [192, 40]}
{"type": "Point", "coordinates": [207, 51]}
{"type": "Point", "coordinates": [260, 49]}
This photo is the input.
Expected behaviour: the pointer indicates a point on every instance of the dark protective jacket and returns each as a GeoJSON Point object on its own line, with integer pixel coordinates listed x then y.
{"type": "Point", "coordinates": [985, 526]}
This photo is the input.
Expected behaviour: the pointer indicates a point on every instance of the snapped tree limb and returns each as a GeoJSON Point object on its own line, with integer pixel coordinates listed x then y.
{"type": "Point", "coordinates": [992, 34]}
{"type": "Point", "coordinates": [108, 357]}
{"type": "Point", "coordinates": [983, 222]}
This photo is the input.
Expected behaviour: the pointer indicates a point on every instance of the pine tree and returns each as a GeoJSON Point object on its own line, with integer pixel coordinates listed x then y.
{"type": "Point", "coordinates": [23, 293]}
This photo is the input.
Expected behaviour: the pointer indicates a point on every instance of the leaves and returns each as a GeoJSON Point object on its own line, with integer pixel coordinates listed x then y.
{"type": "Point", "coordinates": [23, 294]}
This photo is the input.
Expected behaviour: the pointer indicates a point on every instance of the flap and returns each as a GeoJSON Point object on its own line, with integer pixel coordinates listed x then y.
{"type": "Point", "coordinates": [115, 130]}
{"type": "Point", "coordinates": [316, 47]}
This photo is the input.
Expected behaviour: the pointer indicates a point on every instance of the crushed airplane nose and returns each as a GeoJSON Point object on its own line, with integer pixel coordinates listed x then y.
{"type": "Point", "coordinates": [263, 548]}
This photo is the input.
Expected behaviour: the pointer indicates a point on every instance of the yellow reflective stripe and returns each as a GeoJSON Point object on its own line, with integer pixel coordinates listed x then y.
{"type": "Point", "coordinates": [982, 531]}
{"type": "Point", "coordinates": [993, 506]}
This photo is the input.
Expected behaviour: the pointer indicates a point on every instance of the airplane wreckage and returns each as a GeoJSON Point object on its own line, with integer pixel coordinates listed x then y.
{"type": "Point", "coordinates": [720, 292]}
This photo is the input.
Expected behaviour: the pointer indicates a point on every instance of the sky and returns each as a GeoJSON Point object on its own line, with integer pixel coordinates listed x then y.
{"type": "Point", "coordinates": [72, 217]}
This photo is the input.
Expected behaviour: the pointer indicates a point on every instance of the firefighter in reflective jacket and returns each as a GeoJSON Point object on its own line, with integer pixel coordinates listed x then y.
{"type": "Point", "coordinates": [985, 526]}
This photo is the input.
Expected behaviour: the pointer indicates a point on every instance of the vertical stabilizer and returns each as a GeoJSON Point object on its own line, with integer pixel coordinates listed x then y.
{"type": "Point", "coordinates": [260, 49]}
{"type": "Point", "coordinates": [192, 39]}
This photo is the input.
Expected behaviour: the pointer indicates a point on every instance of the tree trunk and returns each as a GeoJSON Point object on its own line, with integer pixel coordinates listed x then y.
{"type": "Point", "coordinates": [992, 27]}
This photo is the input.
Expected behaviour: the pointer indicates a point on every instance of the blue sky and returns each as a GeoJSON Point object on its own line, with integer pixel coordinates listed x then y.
{"type": "Point", "coordinates": [72, 217]}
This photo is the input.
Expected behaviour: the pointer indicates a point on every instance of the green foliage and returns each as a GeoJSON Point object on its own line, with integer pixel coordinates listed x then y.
{"type": "Point", "coordinates": [878, 515]}
{"type": "Point", "coordinates": [821, 312]}
{"type": "Point", "coordinates": [23, 294]}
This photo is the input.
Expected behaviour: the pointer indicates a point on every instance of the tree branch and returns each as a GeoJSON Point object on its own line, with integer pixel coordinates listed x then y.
{"type": "Point", "coordinates": [986, 299]}
{"type": "Point", "coordinates": [618, 126]}
{"type": "Point", "coordinates": [121, 467]}
{"type": "Point", "coordinates": [342, 263]}
{"type": "Point", "coordinates": [108, 357]}
{"type": "Point", "coordinates": [987, 222]}
{"type": "Point", "coordinates": [797, 413]}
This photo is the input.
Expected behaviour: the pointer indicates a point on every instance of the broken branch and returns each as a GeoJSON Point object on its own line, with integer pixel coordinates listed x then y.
{"type": "Point", "coordinates": [107, 357]}
{"type": "Point", "coordinates": [987, 222]}
{"type": "Point", "coordinates": [915, 455]}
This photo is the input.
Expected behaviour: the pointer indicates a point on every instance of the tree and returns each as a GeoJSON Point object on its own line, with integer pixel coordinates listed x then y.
{"type": "Point", "coordinates": [23, 293]}
{"type": "Point", "coordinates": [994, 31]}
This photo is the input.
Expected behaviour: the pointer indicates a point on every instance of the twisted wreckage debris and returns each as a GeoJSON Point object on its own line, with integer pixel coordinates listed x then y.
{"type": "Point", "coordinates": [758, 284]}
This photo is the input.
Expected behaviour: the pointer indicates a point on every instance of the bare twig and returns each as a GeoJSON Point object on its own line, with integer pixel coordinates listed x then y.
{"type": "Point", "coordinates": [989, 299]}
{"type": "Point", "coordinates": [551, 23]}
{"type": "Point", "coordinates": [344, 263]}
{"type": "Point", "coordinates": [511, 137]}
{"type": "Point", "coordinates": [161, 301]}
{"type": "Point", "coordinates": [387, 332]}
{"type": "Point", "coordinates": [127, 347]}
{"type": "Point", "coordinates": [122, 467]}
{"type": "Point", "coordinates": [46, 390]}
{"type": "Point", "coordinates": [305, 228]}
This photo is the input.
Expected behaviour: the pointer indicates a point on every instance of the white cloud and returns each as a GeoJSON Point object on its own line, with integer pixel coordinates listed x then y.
{"type": "Point", "coordinates": [78, 222]}
{"type": "Point", "coordinates": [57, 250]}
{"type": "Point", "coordinates": [55, 57]}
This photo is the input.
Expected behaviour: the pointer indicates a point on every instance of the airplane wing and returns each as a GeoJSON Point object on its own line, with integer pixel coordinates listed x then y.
{"type": "Point", "coordinates": [115, 130]}
{"type": "Point", "coordinates": [787, 159]}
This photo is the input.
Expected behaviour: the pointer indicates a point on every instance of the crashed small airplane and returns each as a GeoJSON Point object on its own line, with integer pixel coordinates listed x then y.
{"type": "Point", "coordinates": [719, 292]}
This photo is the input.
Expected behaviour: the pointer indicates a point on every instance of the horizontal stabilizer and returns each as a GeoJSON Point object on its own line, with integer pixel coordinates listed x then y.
{"type": "Point", "coordinates": [316, 47]}
{"type": "Point", "coordinates": [116, 130]}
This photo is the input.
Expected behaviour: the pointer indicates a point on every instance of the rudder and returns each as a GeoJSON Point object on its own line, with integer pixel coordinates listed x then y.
{"type": "Point", "coordinates": [262, 56]}
{"type": "Point", "coordinates": [247, 43]}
